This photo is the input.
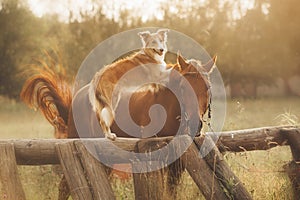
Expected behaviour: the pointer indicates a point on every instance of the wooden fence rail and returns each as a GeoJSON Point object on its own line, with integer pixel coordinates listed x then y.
{"type": "Point", "coordinates": [43, 151]}
{"type": "Point", "coordinates": [83, 171]}
{"type": "Point", "coordinates": [255, 139]}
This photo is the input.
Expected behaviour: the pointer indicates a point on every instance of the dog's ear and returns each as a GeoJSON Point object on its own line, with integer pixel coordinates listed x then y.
{"type": "Point", "coordinates": [144, 36]}
{"type": "Point", "coordinates": [163, 33]}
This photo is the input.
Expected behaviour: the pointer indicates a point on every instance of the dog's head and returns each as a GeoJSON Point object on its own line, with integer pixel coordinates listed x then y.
{"type": "Point", "coordinates": [155, 44]}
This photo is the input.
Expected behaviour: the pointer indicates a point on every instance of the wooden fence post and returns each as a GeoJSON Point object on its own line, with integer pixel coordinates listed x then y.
{"type": "Point", "coordinates": [227, 178]}
{"type": "Point", "coordinates": [202, 175]}
{"type": "Point", "coordinates": [86, 177]}
{"type": "Point", "coordinates": [293, 169]}
{"type": "Point", "coordinates": [12, 187]}
{"type": "Point", "coordinates": [73, 171]}
{"type": "Point", "coordinates": [148, 185]}
{"type": "Point", "coordinates": [96, 173]}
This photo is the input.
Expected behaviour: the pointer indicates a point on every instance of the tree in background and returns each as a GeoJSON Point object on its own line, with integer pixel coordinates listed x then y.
{"type": "Point", "coordinates": [85, 35]}
{"type": "Point", "coordinates": [249, 63]}
{"type": "Point", "coordinates": [253, 49]}
{"type": "Point", "coordinates": [19, 37]}
{"type": "Point", "coordinates": [284, 34]}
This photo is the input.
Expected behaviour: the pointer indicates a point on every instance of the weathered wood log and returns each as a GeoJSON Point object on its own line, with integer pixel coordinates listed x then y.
{"type": "Point", "coordinates": [230, 182]}
{"type": "Point", "coordinates": [251, 139]}
{"type": "Point", "coordinates": [43, 152]}
{"type": "Point", "coordinates": [149, 183]}
{"type": "Point", "coordinates": [293, 137]}
{"type": "Point", "coordinates": [53, 151]}
{"type": "Point", "coordinates": [202, 175]}
{"type": "Point", "coordinates": [36, 151]}
{"type": "Point", "coordinates": [63, 189]}
{"type": "Point", "coordinates": [9, 177]}
{"type": "Point", "coordinates": [96, 174]}
{"type": "Point", "coordinates": [293, 168]}
{"type": "Point", "coordinates": [73, 171]}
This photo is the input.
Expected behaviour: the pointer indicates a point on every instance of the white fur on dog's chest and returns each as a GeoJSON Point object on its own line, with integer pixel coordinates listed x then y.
{"type": "Point", "coordinates": [159, 73]}
{"type": "Point", "coordinates": [160, 59]}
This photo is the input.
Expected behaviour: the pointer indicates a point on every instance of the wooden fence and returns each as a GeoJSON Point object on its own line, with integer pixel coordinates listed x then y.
{"type": "Point", "coordinates": [211, 174]}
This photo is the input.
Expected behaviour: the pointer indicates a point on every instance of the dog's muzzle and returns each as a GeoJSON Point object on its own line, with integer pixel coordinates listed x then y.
{"type": "Point", "coordinates": [159, 51]}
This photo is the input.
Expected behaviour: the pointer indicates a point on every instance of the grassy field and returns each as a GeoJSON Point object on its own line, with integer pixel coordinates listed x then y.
{"type": "Point", "coordinates": [261, 171]}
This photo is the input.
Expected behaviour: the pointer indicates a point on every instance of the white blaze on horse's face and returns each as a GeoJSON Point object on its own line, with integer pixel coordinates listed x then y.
{"type": "Point", "coordinates": [155, 44]}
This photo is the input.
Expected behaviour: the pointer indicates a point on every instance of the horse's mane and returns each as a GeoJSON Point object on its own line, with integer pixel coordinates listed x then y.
{"type": "Point", "coordinates": [150, 88]}
{"type": "Point", "coordinates": [49, 92]}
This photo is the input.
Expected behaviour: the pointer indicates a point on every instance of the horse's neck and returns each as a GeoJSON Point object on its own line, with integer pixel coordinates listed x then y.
{"type": "Point", "coordinates": [173, 67]}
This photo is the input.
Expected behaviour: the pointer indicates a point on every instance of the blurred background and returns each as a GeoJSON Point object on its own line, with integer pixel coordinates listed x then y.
{"type": "Point", "coordinates": [258, 47]}
{"type": "Point", "coordinates": [257, 41]}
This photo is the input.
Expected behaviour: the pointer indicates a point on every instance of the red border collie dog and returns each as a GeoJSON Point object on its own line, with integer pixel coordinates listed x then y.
{"type": "Point", "coordinates": [150, 59]}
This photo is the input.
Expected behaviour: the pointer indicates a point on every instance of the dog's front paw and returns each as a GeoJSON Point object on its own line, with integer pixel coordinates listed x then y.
{"type": "Point", "coordinates": [111, 136]}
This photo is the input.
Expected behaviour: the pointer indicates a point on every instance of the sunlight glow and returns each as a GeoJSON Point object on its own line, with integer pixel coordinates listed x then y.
{"type": "Point", "coordinates": [239, 7]}
{"type": "Point", "coordinates": [60, 7]}
{"type": "Point", "coordinates": [146, 9]}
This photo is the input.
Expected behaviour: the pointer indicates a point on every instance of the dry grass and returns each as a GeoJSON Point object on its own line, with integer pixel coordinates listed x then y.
{"type": "Point", "coordinates": [261, 171]}
{"type": "Point", "coordinates": [18, 121]}
{"type": "Point", "coordinates": [247, 113]}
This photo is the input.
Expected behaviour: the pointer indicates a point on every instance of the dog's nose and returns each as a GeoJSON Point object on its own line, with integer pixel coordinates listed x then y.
{"type": "Point", "coordinates": [161, 50]}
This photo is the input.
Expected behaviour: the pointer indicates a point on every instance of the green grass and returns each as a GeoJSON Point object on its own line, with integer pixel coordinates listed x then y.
{"type": "Point", "coordinates": [247, 113]}
{"type": "Point", "coordinates": [260, 171]}
{"type": "Point", "coordinates": [18, 121]}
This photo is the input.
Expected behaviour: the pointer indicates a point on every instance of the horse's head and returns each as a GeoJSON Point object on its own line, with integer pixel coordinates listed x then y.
{"type": "Point", "coordinates": [197, 76]}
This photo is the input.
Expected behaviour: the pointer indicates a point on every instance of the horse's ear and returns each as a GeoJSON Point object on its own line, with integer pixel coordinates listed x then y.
{"type": "Point", "coordinates": [144, 36]}
{"type": "Point", "coordinates": [181, 61]}
{"type": "Point", "coordinates": [209, 66]}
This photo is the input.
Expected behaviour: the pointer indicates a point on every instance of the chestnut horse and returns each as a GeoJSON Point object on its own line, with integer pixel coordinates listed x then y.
{"type": "Point", "coordinates": [51, 94]}
{"type": "Point", "coordinates": [197, 75]}
{"type": "Point", "coordinates": [84, 123]}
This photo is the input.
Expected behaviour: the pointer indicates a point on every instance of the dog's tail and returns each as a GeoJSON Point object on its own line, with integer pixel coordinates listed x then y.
{"type": "Point", "coordinates": [51, 94]}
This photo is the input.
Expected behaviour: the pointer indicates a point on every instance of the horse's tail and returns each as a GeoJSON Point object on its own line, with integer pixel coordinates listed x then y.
{"type": "Point", "coordinates": [49, 92]}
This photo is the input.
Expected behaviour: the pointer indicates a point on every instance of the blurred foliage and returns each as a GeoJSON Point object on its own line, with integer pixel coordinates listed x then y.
{"type": "Point", "coordinates": [255, 48]}
{"type": "Point", "coordinates": [18, 41]}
